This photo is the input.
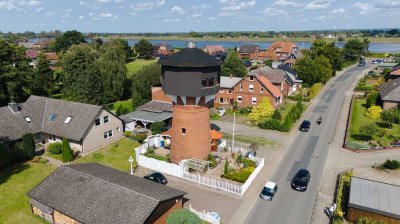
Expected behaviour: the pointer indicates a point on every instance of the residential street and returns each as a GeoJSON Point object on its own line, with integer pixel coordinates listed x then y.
{"type": "Point", "coordinates": [307, 150]}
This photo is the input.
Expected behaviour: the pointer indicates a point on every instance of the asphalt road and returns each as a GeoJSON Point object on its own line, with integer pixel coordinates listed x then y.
{"type": "Point", "coordinates": [307, 150]}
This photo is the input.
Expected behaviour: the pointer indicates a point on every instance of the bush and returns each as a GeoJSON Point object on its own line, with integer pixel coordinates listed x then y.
{"type": "Point", "coordinates": [277, 115]}
{"type": "Point", "coordinates": [183, 216]}
{"type": "Point", "coordinates": [28, 145]}
{"type": "Point", "coordinates": [211, 158]}
{"type": "Point", "coordinates": [248, 163]}
{"type": "Point", "coordinates": [158, 127]}
{"type": "Point", "coordinates": [374, 112]}
{"type": "Point", "coordinates": [43, 161]}
{"type": "Point", "coordinates": [239, 176]}
{"type": "Point", "coordinates": [127, 133]}
{"type": "Point", "coordinates": [371, 99]}
{"type": "Point", "coordinates": [36, 159]}
{"type": "Point", "coordinates": [364, 88]}
{"type": "Point", "coordinates": [391, 164]}
{"type": "Point", "coordinates": [67, 154]}
{"type": "Point", "coordinates": [342, 196]}
{"type": "Point", "coordinates": [121, 110]}
{"type": "Point", "coordinates": [55, 148]}
{"type": "Point", "coordinates": [315, 89]}
{"type": "Point", "coordinates": [271, 124]}
{"type": "Point", "coordinates": [367, 131]}
{"type": "Point", "coordinates": [139, 137]}
{"type": "Point", "coordinates": [5, 156]}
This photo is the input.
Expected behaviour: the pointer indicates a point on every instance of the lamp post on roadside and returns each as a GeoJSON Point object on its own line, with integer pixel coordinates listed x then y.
{"type": "Point", "coordinates": [131, 161]}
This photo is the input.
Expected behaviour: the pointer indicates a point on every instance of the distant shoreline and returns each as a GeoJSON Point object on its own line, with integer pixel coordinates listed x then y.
{"type": "Point", "coordinates": [293, 39]}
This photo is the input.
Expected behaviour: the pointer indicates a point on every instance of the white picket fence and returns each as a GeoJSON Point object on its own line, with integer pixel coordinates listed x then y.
{"type": "Point", "coordinates": [206, 216]}
{"type": "Point", "coordinates": [213, 182]}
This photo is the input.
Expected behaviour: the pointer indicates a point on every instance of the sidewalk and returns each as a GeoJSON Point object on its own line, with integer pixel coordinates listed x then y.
{"type": "Point", "coordinates": [52, 161]}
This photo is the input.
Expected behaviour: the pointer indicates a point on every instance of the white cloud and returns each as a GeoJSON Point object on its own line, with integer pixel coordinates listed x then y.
{"type": "Point", "coordinates": [160, 3]}
{"type": "Point", "coordinates": [321, 17]}
{"type": "Point", "coordinates": [103, 1]}
{"type": "Point", "coordinates": [387, 4]}
{"type": "Point", "coordinates": [177, 10]}
{"type": "Point", "coordinates": [223, 1]}
{"type": "Point", "coordinates": [81, 17]}
{"type": "Point", "coordinates": [171, 20]}
{"type": "Point", "coordinates": [119, 1]}
{"type": "Point", "coordinates": [39, 9]}
{"type": "Point", "coordinates": [106, 15]}
{"type": "Point", "coordinates": [239, 6]}
{"type": "Point", "coordinates": [6, 5]}
{"type": "Point", "coordinates": [228, 13]}
{"type": "Point", "coordinates": [339, 10]}
{"type": "Point", "coordinates": [364, 8]}
{"type": "Point", "coordinates": [201, 6]}
{"type": "Point", "coordinates": [33, 3]}
{"type": "Point", "coordinates": [66, 15]}
{"type": "Point", "coordinates": [274, 12]}
{"type": "Point", "coordinates": [195, 16]}
{"type": "Point", "coordinates": [49, 14]}
{"type": "Point", "coordinates": [318, 4]}
{"type": "Point", "coordinates": [286, 3]}
{"type": "Point", "coordinates": [143, 6]}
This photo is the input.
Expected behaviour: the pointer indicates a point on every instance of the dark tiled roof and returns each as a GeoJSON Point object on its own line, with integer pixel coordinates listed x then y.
{"type": "Point", "coordinates": [190, 57]}
{"type": "Point", "coordinates": [390, 90]}
{"type": "Point", "coordinates": [249, 48]}
{"type": "Point", "coordinates": [156, 106]}
{"type": "Point", "coordinates": [93, 193]}
{"type": "Point", "coordinates": [287, 68]}
{"type": "Point", "coordinates": [38, 109]}
{"type": "Point", "coordinates": [273, 75]}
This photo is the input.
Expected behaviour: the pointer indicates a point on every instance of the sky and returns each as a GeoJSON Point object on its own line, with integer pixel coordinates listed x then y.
{"type": "Point", "coordinates": [133, 16]}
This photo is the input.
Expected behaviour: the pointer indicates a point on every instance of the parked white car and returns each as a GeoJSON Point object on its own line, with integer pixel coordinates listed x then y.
{"type": "Point", "coordinates": [269, 190]}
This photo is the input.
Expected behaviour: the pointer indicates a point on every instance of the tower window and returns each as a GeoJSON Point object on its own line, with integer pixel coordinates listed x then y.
{"type": "Point", "coordinates": [183, 131]}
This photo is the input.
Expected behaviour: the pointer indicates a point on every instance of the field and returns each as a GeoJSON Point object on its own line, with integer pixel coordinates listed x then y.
{"type": "Point", "coordinates": [137, 64]}
{"type": "Point", "coordinates": [115, 155]}
{"type": "Point", "coordinates": [15, 182]}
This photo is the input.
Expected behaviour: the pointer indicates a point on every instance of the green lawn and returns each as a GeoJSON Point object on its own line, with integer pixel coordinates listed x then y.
{"type": "Point", "coordinates": [250, 140]}
{"type": "Point", "coordinates": [137, 64]}
{"type": "Point", "coordinates": [115, 155]}
{"type": "Point", "coordinates": [124, 103]}
{"type": "Point", "coordinates": [54, 156]}
{"type": "Point", "coordinates": [15, 182]}
{"type": "Point", "coordinates": [358, 118]}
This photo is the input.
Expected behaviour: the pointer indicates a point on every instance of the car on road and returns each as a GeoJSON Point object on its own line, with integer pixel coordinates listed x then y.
{"type": "Point", "coordinates": [305, 125]}
{"type": "Point", "coordinates": [269, 190]}
{"type": "Point", "coordinates": [362, 63]}
{"type": "Point", "coordinates": [156, 177]}
{"type": "Point", "coordinates": [377, 61]}
{"type": "Point", "coordinates": [300, 180]}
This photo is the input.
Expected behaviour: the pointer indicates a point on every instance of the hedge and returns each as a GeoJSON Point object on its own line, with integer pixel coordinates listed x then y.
{"type": "Point", "coordinates": [239, 176]}
{"type": "Point", "coordinates": [342, 196]}
{"type": "Point", "coordinates": [55, 148]}
{"type": "Point", "coordinates": [293, 115]}
{"type": "Point", "coordinates": [391, 164]}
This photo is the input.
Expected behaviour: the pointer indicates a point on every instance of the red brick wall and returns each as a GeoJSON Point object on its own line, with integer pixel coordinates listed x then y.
{"type": "Point", "coordinates": [247, 95]}
{"type": "Point", "coordinates": [227, 97]}
{"type": "Point", "coordinates": [284, 89]}
{"type": "Point", "coordinates": [159, 95]}
{"type": "Point", "coordinates": [164, 217]}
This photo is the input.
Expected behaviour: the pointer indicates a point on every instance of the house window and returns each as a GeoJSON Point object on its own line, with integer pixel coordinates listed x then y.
{"type": "Point", "coordinates": [183, 131]}
{"type": "Point", "coordinates": [118, 129]}
{"type": "Point", "coordinates": [97, 122]}
{"type": "Point", "coordinates": [251, 78]}
{"type": "Point", "coordinates": [108, 134]}
{"type": "Point", "coordinates": [239, 98]}
{"type": "Point", "coordinates": [221, 91]}
{"type": "Point", "coordinates": [251, 88]}
{"type": "Point", "coordinates": [204, 83]}
{"type": "Point", "coordinates": [207, 82]}
{"type": "Point", "coordinates": [253, 100]}
{"type": "Point", "coordinates": [241, 87]}
{"type": "Point", "coordinates": [221, 100]}
{"type": "Point", "coordinates": [67, 120]}
{"type": "Point", "coordinates": [28, 119]}
{"type": "Point", "coordinates": [261, 89]}
{"type": "Point", "coordinates": [106, 119]}
{"type": "Point", "coordinates": [52, 137]}
{"type": "Point", "coordinates": [229, 91]}
{"type": "Point", "coordinates": [52, 117]}
{"type": "Point", "coordinates": [210, 82]}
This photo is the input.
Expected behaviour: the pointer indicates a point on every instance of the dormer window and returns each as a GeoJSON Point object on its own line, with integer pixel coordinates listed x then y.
{"type": "Point", "coordinates": [52, 117]}
{"type": "Point", "coordinates": [67, 120]}
{"type": "Point", "coordinates": [28, 119]}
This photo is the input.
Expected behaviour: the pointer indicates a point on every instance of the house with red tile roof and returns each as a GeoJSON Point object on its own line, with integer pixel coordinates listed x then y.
{"type": "Point", "coordinates": [249, 51]}
{"type": "Point", "coordinates": [216, 51]}
{"type": "Point", "coordinates": [163, 49]}
{"type": "Point", "coordinates": [275, 76]}
{"type": "Point", "coordinates": [285, 52]}
{"type": "Point", "coordinates": [395, 72]}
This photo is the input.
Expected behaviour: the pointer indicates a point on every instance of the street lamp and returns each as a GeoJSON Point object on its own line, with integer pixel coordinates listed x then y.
{"type": "Point", "coordinates": [131, 161]}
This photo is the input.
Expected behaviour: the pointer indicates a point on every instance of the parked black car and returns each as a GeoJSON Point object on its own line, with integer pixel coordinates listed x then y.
{"type": "Point", "coordinates": [156, 177]}
{"type": "Point", "coordinates": [300, 180]}
{"type": "Point", "coordinates": [305, 125]}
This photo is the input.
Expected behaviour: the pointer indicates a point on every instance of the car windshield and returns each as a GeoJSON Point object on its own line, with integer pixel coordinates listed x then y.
{"type": "Point", "coordinates": [301, 176]}
{"type": "Point", "coordinates": [267, 191]}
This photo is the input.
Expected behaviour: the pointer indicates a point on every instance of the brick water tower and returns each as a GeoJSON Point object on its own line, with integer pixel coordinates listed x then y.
{"type": "Point", "coordinates": [190, 78]}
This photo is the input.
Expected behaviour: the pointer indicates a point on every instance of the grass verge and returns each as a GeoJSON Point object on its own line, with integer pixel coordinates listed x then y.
{"type": "Point", "coordinates": [15, 182]}
{"type": "Point", "coordinates": [250, 140]}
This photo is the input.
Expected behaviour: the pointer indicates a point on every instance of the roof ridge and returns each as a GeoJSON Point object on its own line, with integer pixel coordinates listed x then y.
{"type": "Point", "coordinates": [70, 167]}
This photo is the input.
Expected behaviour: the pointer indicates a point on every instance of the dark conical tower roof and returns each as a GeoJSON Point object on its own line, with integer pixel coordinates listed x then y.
{"type": "Point", "coordinates": [190, 57]}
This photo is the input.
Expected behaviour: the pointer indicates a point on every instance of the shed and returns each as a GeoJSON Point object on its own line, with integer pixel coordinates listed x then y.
{"type": "Point", "coordinates": [376, 200]}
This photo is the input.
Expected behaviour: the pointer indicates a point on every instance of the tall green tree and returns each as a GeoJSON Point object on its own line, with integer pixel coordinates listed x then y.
{"type": "Point", "coordinates": [43, 80]}
{"type": "Point", "coordinates": [82, 78]}
{"type": "Point", "coordinates": [233, 65]}
{"type": "Point", "coordinates": [67, 153]}
{"type": "Point", "coordinates": [314, 70]}
{"type": "Point", "coordinates": [354, 49]}
{"type": "Point", "coordinates": [143, 48]}
{"type": "Point", "coordinates": [66, 40]}
{"type": "Point", "coordinates": [142, 81]}
{"type": "Point", "coordinates": [28, 145]}
{"type": "Point", "coordinates": [113, 71]}
{"type": "Point", "coordinates": [125, 46]}
{"type": "Point", "coordinates": [321, 47]}
{"type": "Point", "coordinates": [14, 73]}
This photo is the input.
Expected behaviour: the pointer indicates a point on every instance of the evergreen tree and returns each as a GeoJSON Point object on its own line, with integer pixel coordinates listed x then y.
{"type": "Point", "coordinates": [233, 65]}
{"type": "Point", "coordinates": [28, 145]}
{"type": "Point", "coordinates": [226, 167]}
{"type": "Point", "coordinates": [42, 80]}
{"type": "Point", "coordinates": [142, 81]}
{"type": "Point", "coordinates": [67, 153]}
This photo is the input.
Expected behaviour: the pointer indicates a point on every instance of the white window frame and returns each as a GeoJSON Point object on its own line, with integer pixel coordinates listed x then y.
{"type": "Point", "coordinates": [109, 134]}
{"type": "Point", "coordinates": [241, 87]}
{"type": "Point", "coordinates": [261, 89]}
{"type": "Point", "coordinates": [251, 78]}
{"type": "Point", "coordinates": [28, 119]}
{"type": "Point", "coordinates": [104, 119]}
{"type": "Point", "coordinates": [221, 99]}
{"type": "Point", "coordinates": [253, 100]}
{"type": "Point", "coordinates": [239, 97]}
{"type": "Point", "coordinates": [67, 120]}
{"type": "Point", "coordinates": [99, 122]}
{"type": "Point", "coordinates": [251, 87]}
{"type": "Point", "coordinates": [221, 91]}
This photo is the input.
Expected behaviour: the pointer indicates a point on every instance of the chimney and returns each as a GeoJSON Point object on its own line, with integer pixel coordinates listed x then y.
{"type": "Point", "coordinates": [14, 107]}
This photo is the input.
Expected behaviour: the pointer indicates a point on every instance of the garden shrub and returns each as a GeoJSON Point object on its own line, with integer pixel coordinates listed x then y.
{"type": "Point", "coordinates": [277, 115]}
{"type": "Point", "coordinates": [239, 176]}
{"type": "Point", "coordinates": [271, 124]}
{"type": "Point", "coordinates": [226, 167]}
{"type": "Point", "coordinates": [365, 220]}
{"type": "Point", "coordinates": [151, 154]}
{"type": "Point", "coordinates": [158, 127]}
{"type": "Point", "coordinates": [364, 88]}
{"type": "Point", "coordinates": [43, 161]}
{"type": "Point", "coordinates": [367, 131]}
{"type": "Point", "coordinates": [391, 164]}
{"type": "Point", "coordinates": [314, 90]}
{"type": "Point", "coordinates": [371, 99]}
{"type": "Point", "coordinates": [211, 158]}
{"type": "Point", "coordinates": [139, 137]}
{"type": "Point", "coordinates": [127, 133]}
{"type": "Point", "coordinates": [28, 145]}
{"type": "Point", "coordinates": [55, 148]}
{"type": "Point", "coordinates": [5, 156]}
{"type": "Point", "coordinates": [67, 154]}
{"type": "Point", "coordinates": [36, 159]}
{"type": "Point", "coordinates": [374, 112]}
{"type": "Point", "coordinates": [248, 163]}
{"type": "Point", "coordinates": [183, 216]}
{"type": "Point", "coordinates": [342, 196]}
{"type": "Point", "coordinates": [121, 110]}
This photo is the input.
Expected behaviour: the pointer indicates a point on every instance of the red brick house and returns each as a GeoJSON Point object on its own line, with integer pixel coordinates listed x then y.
{"type": "Point", "coordinates": [225, 96]}
{"type": "Point", "coordinates": [252, 88]}
{"type": "Point", "coordinates": [214, 50]}
{"type": "Point", "coordinates": [163, 49]}
{"type": "Point", "coordinates": [249, 51]}
{"type": "Point", "coordinates": [282, 49]}
{"type": "Point", "coordinates": [275, 76]}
